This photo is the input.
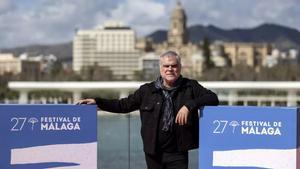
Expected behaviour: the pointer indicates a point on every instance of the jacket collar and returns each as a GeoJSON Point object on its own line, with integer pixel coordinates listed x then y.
{"type": "Point", "coordinates": [153, 89]}
{"type": "Point", "coordinates": [185, 83]}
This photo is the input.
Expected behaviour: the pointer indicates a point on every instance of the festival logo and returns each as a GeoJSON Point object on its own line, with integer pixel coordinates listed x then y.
{"type": "Point", "coordinates": [234, 124]}
{"type": "Point", "coordinates": [46, 123]}
{"type": "Point", "coordinates": [32, 120]}
{"type": "Point", "coordinates": [60, 123]}
{"type": "Point", "coordinates": [248, 127]}
{"type": "Point", "coordinates": [48, 136]}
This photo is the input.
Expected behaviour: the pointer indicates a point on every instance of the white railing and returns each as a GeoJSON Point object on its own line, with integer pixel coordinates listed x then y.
{"type": "Point", "coordinates": [229, 92]}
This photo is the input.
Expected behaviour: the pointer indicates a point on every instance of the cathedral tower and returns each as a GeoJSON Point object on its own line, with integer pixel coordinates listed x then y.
{"type": "Point", "coordinates": [177, 35]}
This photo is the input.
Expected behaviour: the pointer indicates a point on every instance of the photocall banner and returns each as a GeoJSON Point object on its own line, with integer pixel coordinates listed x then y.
{"type": "Point", "coordinates": [48, 136]}
{"type": "Point", "coordinates": [249, 137]}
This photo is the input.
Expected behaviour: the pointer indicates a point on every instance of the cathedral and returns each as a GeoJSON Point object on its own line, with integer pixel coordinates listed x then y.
{"type": "Point", "coordinates": [177, 40]}
{"type": "Point", "coordinates": [192, 58]}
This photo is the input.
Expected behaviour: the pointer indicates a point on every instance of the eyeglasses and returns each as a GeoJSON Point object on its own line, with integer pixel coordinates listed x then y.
{"type": "Point", "coordinates": [172, 66]}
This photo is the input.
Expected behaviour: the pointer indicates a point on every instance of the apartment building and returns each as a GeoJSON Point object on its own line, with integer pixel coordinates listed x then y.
{"type": "Point", "coordinates": [110, 46]}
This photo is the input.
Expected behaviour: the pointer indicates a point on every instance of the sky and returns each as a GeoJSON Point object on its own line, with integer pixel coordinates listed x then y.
{"type": "Point", "coordinates": [27, 22]}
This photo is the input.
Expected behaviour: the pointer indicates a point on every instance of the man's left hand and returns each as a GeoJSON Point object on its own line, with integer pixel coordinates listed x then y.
{"type": "Point", "coordinates": [182, 116]}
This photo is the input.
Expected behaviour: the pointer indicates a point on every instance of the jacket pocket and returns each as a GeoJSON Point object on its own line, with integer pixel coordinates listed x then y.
{"type": "Point", "coordinates": [147, 107]}
{"type": "Point", "coordinates": [147, 112]}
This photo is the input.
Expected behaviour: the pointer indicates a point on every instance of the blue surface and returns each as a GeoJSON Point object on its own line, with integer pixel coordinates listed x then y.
{"type": "Point", "coordinates": [225, 128]}
{"type": "Point", "coordinates": [20, 127]}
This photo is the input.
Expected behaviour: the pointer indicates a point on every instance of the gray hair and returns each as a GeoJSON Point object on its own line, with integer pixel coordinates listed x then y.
{"type": "Point", "coordinates": [170, 53]}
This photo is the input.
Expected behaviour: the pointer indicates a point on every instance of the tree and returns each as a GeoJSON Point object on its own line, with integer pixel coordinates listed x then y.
{"type": "Point", "coordinates": [102, 73]}
{"type": "Point", "coordinates": [5, 93]}
{"type": "Point", "coordinates": [207, 53]}
{"type": "Point", "coordinates": [57, 68]}
{"type": "Point", "coordinates": [96, 73]}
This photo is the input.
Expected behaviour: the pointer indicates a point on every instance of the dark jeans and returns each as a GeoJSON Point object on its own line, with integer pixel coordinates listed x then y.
{"type": "Point", "coordinates": [178, 160]}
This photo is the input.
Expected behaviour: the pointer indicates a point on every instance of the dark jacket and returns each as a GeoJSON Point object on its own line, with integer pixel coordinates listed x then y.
{"type": "Point", "coordinates": [148, 100]}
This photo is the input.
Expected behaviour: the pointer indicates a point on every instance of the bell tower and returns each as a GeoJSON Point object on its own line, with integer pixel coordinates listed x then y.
{"type": "Point", "coordinates": [177, 34]}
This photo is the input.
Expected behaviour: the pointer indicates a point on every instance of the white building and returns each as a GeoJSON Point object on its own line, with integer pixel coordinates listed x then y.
{"type": "Point", "coordinates": [111, 46]}
{"type": "Point", "coordinates": [46, 61]}
{"type": "Point", "coordinates": [15, 66]}
{"type": "Point", "coordinates": [149, 65]}
{"type": "Point", "coordinates": [277, 56]}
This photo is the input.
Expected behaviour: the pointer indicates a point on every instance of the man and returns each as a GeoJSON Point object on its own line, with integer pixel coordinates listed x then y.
{"type": "Point", "coordinates": [169, 114]}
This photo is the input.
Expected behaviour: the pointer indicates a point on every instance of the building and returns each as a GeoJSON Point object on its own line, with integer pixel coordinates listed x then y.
{"type": "Point", "coordinates": [281, 57]}
{"type": "Point", "coordinates": [149, 66]}
{"type": "Point", "coordinates": [46, 61]}
{"type": "Point", "coordinates": [177, 40]}
{"type": "Point", "coordinates": [177, 34]}
{"type": "Point", "coordinates": [250, 54]}
{"type": "Point", "coordinates": [16, 66]}
{"type": "Point", "coordinates": [111, 46]}
{"type": "Point", "coordinates": [222, 53]}
{"type": "Point", "coordinates": [218, 56]}
{"type": "Point", "coordinates": [192, 60]}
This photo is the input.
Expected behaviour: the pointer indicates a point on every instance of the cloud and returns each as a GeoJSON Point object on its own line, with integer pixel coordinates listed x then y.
{"type": "Point", "coordinates": [242, 13]}
{"type": "Point", "coordinates": [277, 11]}
{"type": "Point", "coordinates": [50, 21]}
{"type": "Point", "coordinates": [143, 15]}
{"type": "Point", "coordinates": [53, 21]}
{"type": "Point", "coordinates": [5, 5]}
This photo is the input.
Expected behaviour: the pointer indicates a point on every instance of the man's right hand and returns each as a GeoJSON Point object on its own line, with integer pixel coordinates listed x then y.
{"type": "Point", "coordinates": [86, 101]}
